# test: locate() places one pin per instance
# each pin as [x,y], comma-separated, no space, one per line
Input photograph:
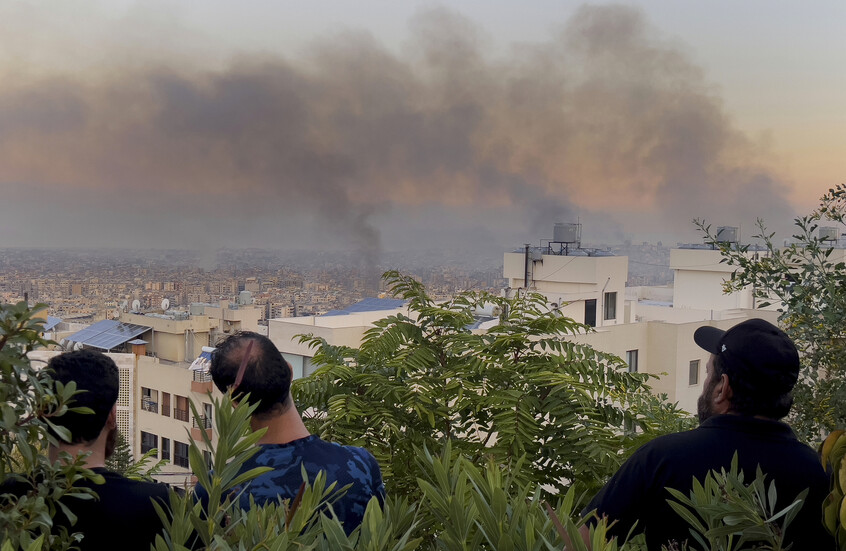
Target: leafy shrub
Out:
[519,389]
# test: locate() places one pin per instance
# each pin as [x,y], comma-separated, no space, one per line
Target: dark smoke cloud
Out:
[604,119]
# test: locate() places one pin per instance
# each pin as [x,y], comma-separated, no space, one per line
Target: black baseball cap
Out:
[756,347]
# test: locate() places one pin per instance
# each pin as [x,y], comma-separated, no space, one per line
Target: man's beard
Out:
[111,442]
[704,409]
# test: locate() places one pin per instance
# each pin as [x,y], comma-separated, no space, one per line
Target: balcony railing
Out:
[148,404]
[201,425]
[201,382]
[180,414]
[202,377]
[202,422]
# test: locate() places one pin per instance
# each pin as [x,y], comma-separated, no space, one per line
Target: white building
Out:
[337,327]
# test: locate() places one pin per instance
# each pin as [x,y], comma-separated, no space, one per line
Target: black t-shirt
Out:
[637,491]
[122,516]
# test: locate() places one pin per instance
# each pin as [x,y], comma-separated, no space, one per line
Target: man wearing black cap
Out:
[750,374]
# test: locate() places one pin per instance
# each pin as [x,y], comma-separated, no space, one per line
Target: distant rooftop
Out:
[108,334]
[560,249]
[368,305]
[51,323]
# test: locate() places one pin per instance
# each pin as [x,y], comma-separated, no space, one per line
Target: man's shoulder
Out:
[121,486]
[314,448]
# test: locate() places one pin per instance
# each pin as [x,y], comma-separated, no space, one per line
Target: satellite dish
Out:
[123,305]
[136,305]
[77,346]
[116,313]
[63,343]
[165,304]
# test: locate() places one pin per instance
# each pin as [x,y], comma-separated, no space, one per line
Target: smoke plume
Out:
[606,120]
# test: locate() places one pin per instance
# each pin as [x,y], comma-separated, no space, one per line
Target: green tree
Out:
[121,459]
[809,284]
[521,389]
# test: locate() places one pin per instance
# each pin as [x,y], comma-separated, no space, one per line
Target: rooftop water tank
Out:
[727,234]
[828,233]
[565,233]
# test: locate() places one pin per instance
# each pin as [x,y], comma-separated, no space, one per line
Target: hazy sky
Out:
[389,124]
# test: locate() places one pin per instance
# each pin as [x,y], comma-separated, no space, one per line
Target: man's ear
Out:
[723,392]
[111,420]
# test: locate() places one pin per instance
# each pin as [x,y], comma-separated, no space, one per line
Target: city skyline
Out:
[390,127]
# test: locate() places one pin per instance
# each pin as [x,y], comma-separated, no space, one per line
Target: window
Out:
[610,306]
[166,448]
[149,400]
[166,404]
[207,457]
[180,454]
[180,410]
[148,441]
[693,377]
[631,359]
[590,312]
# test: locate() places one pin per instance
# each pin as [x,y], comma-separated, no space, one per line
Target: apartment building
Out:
[161,361]
[339,327]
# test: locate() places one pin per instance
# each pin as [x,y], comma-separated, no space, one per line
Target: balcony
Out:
[201,424]
[180,414]
[201,382]
[148,404]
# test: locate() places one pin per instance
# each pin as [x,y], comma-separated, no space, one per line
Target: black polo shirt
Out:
[637,492]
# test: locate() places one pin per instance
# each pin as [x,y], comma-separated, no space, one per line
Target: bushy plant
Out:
[28,402]
[726,514]
[518,389]
[307,522]
[833,455]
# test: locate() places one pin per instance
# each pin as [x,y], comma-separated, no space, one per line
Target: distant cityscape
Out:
[89,285]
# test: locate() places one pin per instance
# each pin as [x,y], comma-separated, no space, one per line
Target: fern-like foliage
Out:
[519,389]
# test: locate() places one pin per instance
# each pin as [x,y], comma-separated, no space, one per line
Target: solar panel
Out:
[92,330]
[371,304]
[108,334]
[51,323]
[116,336]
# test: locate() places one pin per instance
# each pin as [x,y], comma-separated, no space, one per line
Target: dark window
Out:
[166,448]
[148,441]
[180,410]
[180,454]
[631,359]
[610,306]
[590,312]
[207,457]
[693,377]
[166,404]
